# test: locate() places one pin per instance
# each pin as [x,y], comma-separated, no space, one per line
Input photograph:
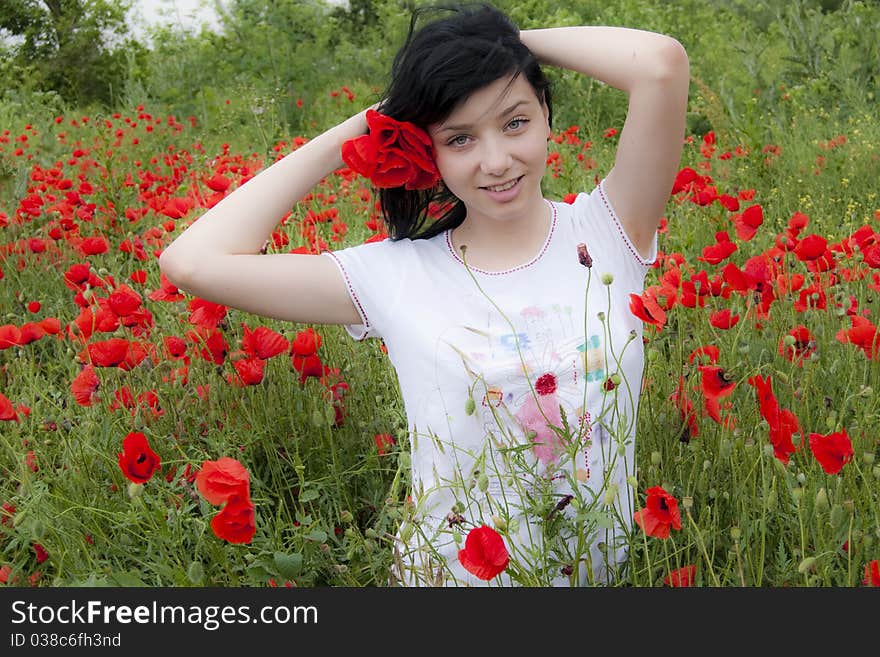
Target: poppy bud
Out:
[876,472]
[406,532]
[369,532]
[607,278]
[134,490]
[868,458]
[632,482]
[735,533]
[656,458]
[821,500]
[687,502]
[807,565]
[483,482]
[346,516]
[838,516]
[195,573]
[500,523]
[584,256]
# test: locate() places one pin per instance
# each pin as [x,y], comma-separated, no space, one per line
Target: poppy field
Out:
[150,438]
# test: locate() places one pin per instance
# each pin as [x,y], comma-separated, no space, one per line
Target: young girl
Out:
[505,315]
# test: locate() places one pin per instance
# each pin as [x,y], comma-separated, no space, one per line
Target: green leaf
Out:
[289,565]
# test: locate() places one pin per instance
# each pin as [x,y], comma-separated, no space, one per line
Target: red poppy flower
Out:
[235,522]
[136,460]
[124,301]
[250,370]
[167,291]
[263,342]
[681,578]
[7,411]
[714,381]
[872,573]
[306,343]
[383,441]
[722,319]
[94,245]
[392,153]
[710,351]
[863,334]
[660,513]
[85,386]
[833,451]
[219,480]
[107,353]
[484,555]
[646,308]
[720,251]
[307,366]
[810,247]
[748,222]
[686,409]
[205,313]
[10,336]
[803,347]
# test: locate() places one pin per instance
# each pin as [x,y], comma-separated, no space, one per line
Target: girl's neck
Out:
[494,245]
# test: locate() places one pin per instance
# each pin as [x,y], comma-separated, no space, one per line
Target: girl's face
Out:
[492,150]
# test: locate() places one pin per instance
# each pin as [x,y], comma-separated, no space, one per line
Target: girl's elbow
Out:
[175,268]
[672,59]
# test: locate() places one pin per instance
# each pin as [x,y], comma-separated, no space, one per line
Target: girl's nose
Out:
[496,159]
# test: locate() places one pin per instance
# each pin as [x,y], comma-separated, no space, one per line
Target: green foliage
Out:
[76,47]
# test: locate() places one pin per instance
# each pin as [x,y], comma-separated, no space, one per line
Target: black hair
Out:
[439,66]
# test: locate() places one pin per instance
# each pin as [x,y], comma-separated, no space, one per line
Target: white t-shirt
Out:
[454,335]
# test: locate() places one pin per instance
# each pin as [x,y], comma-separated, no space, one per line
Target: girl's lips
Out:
[505,195]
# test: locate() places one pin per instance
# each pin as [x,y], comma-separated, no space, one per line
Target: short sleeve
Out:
[605,234]
[371,274]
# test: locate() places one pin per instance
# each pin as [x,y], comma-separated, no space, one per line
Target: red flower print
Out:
[681,578]
[872,573]
[832,451]
[219,480]
[392,153]
[235,522]
[484,555]
[659,515]
[136,460]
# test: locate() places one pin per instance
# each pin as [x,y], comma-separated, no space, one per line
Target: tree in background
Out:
[77,48]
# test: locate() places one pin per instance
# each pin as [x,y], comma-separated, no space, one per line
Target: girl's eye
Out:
[518,123]
[458,140]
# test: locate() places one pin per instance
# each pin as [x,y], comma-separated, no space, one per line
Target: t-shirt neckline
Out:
[524,265]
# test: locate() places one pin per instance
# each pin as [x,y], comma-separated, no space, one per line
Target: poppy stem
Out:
[702,546]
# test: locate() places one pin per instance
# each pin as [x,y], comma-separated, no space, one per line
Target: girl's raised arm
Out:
[653,69]
[217,257]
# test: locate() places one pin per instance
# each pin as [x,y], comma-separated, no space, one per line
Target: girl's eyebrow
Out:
[467,126]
